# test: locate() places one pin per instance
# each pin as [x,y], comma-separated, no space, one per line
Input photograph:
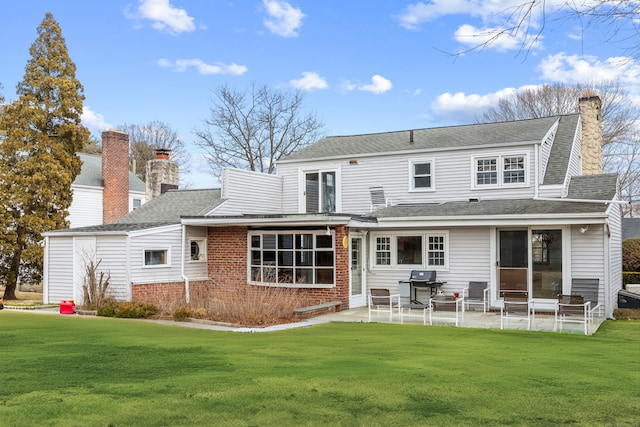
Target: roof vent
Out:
[474,199]
[411,137]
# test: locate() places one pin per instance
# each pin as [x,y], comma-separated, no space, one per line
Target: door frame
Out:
[358,300]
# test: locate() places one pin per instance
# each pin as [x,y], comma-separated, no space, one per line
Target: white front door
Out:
[356,271]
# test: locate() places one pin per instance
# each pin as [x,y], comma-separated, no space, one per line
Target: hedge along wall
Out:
[227,268]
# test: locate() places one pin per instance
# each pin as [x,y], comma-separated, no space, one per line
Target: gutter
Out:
[606,202]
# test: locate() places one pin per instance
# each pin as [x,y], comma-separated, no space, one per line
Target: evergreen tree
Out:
[41,134]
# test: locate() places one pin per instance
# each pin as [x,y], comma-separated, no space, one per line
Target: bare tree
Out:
[620,140]
[254,129]
[527,21]
[144,138]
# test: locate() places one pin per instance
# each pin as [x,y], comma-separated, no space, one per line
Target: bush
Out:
[631,255]
[183,313]
[128,310]
[626,313]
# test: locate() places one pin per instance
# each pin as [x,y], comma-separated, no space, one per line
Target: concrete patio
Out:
[543,322]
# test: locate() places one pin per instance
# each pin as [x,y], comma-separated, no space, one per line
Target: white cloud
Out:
[163,16]
[348,86]
[467,108]
[94,121]
[493,39]
[571,69]
[378,85]
[181,65]
[284,20]
[309,81]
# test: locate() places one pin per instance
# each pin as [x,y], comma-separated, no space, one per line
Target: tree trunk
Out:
[14,272]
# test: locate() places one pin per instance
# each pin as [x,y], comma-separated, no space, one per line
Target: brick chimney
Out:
[590,107]
[115,175]
[162,174]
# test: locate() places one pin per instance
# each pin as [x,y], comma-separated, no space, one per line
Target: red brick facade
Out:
[115,175]
[227,254]
[165,295]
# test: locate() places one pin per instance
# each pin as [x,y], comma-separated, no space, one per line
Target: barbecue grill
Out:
[423,279]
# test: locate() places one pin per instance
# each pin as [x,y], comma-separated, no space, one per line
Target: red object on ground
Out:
[67,307]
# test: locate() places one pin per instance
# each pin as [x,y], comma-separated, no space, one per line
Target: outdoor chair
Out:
[515,305]
[446,308]
[477,294]
[573,309]
[382,301]
[589,289]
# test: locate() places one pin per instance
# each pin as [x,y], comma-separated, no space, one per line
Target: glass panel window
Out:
[421,175]
[383,251]
[513,170]
[292,258]
[409,250]
[320,192]
[156,257]
[436,251]
[486,171]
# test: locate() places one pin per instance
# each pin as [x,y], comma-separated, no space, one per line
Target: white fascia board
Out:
[266,222]
[155,230]
[502,220]
[87,187]
[74,233]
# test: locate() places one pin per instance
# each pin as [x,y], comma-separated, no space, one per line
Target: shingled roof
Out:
[431,138]
[166,209]
[91,174]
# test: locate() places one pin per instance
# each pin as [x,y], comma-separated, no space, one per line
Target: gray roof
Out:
[630,228]
[487,208]
[598,187]
[172,205]
[166,209]
[430,139]
[561,150]
[587,187]
[91,174]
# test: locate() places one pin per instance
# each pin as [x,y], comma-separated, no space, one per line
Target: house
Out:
[521,205]
[105,189]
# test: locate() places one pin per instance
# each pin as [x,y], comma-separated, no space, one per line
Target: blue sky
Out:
[366,66]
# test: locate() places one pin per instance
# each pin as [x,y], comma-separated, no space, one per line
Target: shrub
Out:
[183,313]
[129,310]
[95,286]
[631,255]
[626,313]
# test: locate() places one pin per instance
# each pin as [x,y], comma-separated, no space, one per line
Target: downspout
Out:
[182,265]
[607,270]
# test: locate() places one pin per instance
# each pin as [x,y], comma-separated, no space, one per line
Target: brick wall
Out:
[115,175]
[227,254]
[169,295]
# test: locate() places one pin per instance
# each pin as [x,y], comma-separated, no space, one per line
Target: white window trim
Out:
[167,265]
[412,187]
[202,244]
[500,171]
[394,250]
[302,206]
[292,285]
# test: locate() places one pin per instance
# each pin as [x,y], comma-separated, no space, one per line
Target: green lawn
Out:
[82,371]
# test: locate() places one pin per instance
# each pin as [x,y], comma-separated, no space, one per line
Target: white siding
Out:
[247,192]
[86,207]
[453,175]
[469,260]
[59,274]
[162,238]
[588,257]
[113,251]
[195,269]
[614,281]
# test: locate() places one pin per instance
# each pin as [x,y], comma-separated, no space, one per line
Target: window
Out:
[156,257]
[137,203]
[428,249]
[320,191]
[197,248]
[292,258]
[383,251]
[512,170]
[421,175]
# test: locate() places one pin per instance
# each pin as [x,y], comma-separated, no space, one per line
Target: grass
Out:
[78,371]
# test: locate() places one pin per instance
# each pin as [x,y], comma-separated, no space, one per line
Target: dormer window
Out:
[499,171]
[421,175]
